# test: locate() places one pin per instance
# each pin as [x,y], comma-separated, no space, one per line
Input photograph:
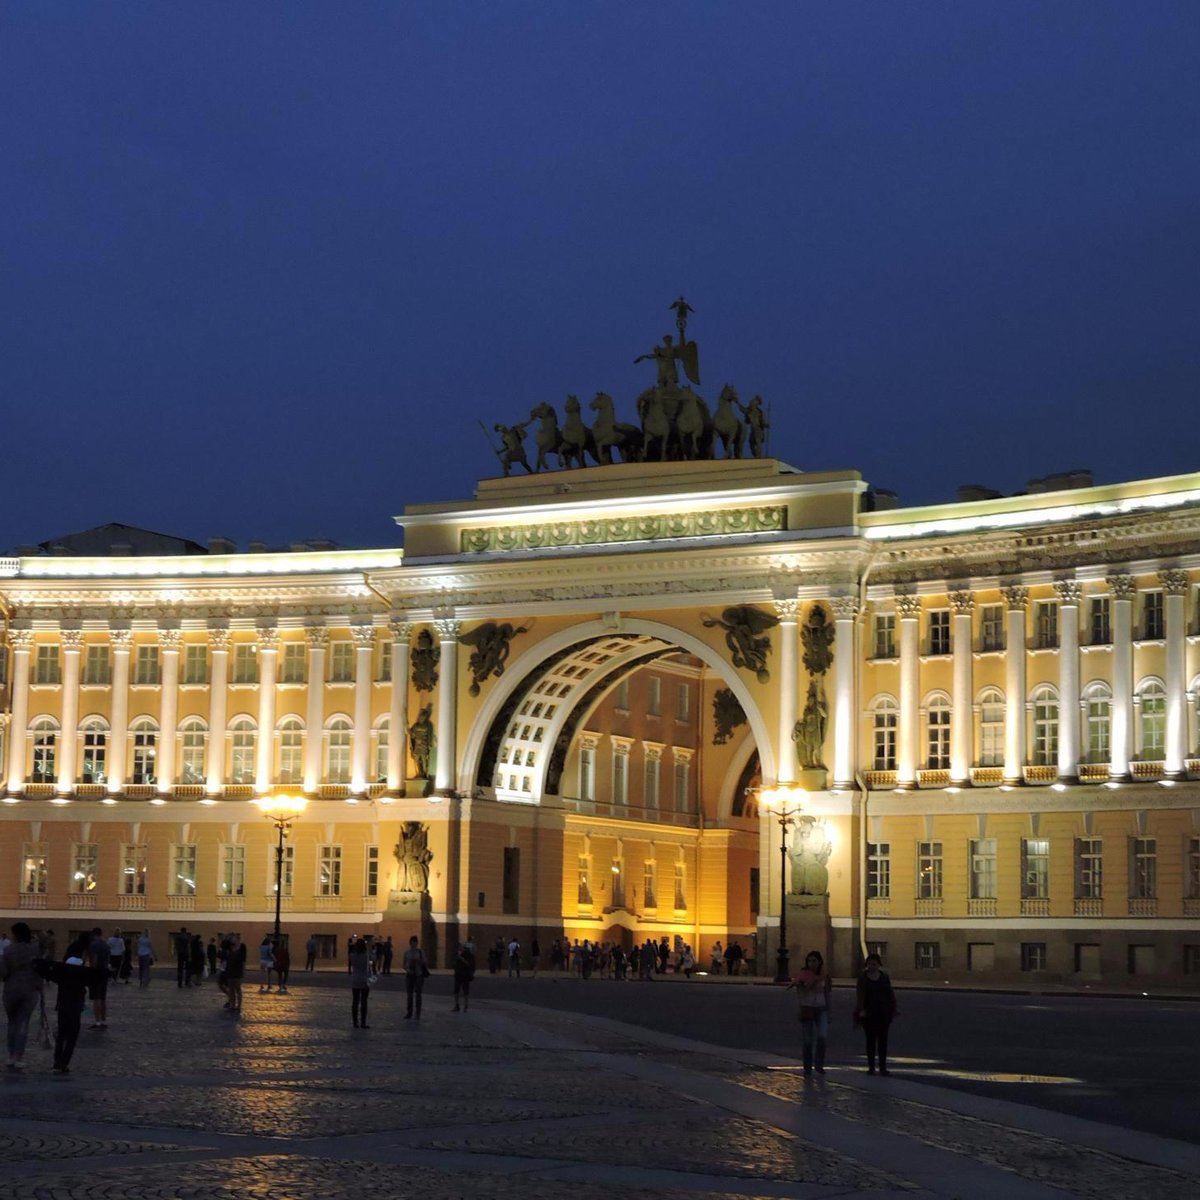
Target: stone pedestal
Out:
[808,928]
[814,779]
[410,913]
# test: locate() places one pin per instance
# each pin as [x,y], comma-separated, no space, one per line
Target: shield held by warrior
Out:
[689,355]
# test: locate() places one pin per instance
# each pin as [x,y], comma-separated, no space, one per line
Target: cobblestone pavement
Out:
[178,1100]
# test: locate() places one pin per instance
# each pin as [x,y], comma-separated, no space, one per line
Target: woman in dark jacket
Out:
[874,1010]
[360,982]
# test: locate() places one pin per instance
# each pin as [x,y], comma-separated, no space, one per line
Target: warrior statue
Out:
[421,741]
[811,849]
[809,734]
[414,856]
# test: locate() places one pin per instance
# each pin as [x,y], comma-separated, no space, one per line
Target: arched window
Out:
[991,728]
[937,733]
[93,761]
[193,741]
[1045,727]
[381,750]
[45,743]
[337,757]
[883,733]
[291,750]
[1097,711]
[1153,697]
[144,735]
[243,741]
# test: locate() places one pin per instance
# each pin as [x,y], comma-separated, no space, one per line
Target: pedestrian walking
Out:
[535,955]
[116,954]
[687,961]
[464,973]
[183,958]
[49,945]
[716,958]
[99,959]
[310,952]
[875,1009]
[416,971]
[73,980]
[22,990]
[266,963]
[196,959]
[360,982]
[283,964]
[235,972]
[814,987]
[514,958]
[145,957]
[210,954]
[388,953]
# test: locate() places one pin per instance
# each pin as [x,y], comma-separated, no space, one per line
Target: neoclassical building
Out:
[578,691]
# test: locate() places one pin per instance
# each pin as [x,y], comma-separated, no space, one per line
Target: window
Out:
[651,777]
[618,883]
[885,635]
[337,764]
[649,894]
[991,728]
[1152,616]
[1191,959]
[45,743]
[755,882]
[341,662]
[991,627]
[983,869]
[195,663]
[680,888]
[1191,867]
[620,788]
[183,870]
[95,666]
[144,734]
[1045,625]
[884,734]
[929,870]
[1045,727]
[937,733]
[245,662]
[291,750]
[243,741]
[622,701]
[512,879]
[1098,715]
[1089,869]
[385,661]
[879,948]
[292,668]
[928,956]
[1035,869]
[371,879]
[45,665]
[587,773]
[329,871]
[133,869]
[1033,956]
[382,738]
[85,858]
[682,781]
[683,702]
[193,739]
[93,764]
[233,870]
[1143,868]
[33,869]
[289,864]
[145,666]
[1153,720]
[939,631]
[1099,621]
[654,697]
[879,870]
[584,887]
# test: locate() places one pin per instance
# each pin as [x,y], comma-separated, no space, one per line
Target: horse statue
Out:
[693,425]
[577,438]
[609,434]
[547,437]
[727,425]
[656,426]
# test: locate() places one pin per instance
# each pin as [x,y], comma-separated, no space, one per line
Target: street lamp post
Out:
[776,804]
[282,810]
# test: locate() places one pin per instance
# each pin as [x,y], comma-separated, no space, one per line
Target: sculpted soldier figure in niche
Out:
[414,856]
[422,740]
[425,658]
[809,733]
[810,852]
[817,636]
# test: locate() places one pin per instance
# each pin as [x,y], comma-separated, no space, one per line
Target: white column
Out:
[318,639]
[1014,685]
[1069,595]
[118,738]
[168,711]
[360,745]
[218,697]
[268,657]
[845,655]
[787,611]
[21,641]
[397,764]
[445,730]
[68,738]
[1121,728]
[962,715]
[1175,585]
[909,609]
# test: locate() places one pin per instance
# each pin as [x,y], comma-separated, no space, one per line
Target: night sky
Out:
[264,265]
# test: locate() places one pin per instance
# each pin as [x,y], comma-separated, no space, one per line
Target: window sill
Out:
[94,685]
[193,686]
[144,687]
[991,652]
[1156,641]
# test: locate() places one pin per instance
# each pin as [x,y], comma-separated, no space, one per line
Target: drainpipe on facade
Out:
[859,778]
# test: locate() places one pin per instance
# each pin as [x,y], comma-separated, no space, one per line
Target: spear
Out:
[489,439]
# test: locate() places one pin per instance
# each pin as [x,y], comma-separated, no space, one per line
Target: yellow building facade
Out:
[579,689]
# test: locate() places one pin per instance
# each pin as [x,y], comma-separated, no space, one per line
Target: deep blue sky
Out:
[262,266]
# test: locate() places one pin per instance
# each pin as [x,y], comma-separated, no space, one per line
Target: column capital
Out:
[71,639]
[120,639]
[447,628]
[364,636]
[963,603]
[268,637]
[1174,581]
[401,629]
[1070,591]
[787,610]
[908,606]
[218,638]
[1121,586]
[845,608]
[318,636]
[20,639]
[1015,596]
[169,637]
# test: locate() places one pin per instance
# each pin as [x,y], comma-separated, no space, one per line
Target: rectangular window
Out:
[1089,869]
[1045,729]
[929,870]
[620,788]
[683,702]
[1152,616]
[991,731]
[183,871]
[233,871]
[45,665]
[1191,959]
[649,892]
[1099,621]
[95,666]
[329,871]
[682,780]
[133,869]
[754,890]
[33,869]
[1191,867]
[1035,869]
[294,660]
[145,752]
[587,774]
[1045,625]
[45,743]
[85,858]
[145,667]
[337,766]
[983,869]
[991,627]
[1033,956]
[195,663]
[291,752]
[1143,868]
[884,737]
[879,870]
[654,698]
[622,700]
[928,956]
[937,728]
[93,761]
[650,792]
[885,635]
[371,882]
[680,888]
[584,884]
[381,754]
[512,879]
[385,661]
[191,753]
[1099,728]
[939,631]
[879,948]
[341,662]
[245,663]
[617,871]
[289,868]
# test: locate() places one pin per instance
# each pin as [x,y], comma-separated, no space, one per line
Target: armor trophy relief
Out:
[674,422]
